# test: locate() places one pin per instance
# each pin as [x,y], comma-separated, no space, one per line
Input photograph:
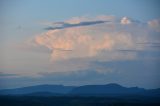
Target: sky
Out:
[79,42]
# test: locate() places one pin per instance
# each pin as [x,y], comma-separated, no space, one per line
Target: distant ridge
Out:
[111,89]
[108,89]
[38,88]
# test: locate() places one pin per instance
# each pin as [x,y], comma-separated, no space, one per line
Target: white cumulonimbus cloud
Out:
[125,20]
[99,37]
[155,24]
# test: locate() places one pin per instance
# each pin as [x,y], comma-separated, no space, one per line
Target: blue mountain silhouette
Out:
[38,88]
[111,89]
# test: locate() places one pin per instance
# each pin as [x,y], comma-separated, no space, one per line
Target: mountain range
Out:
[111,89]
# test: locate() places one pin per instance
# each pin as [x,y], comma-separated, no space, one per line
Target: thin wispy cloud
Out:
[153,45]
[63,25]
[128,50]
[7,75]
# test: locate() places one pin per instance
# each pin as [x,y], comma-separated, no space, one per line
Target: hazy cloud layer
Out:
[143,74]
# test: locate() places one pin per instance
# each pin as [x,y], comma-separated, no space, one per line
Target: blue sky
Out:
[28,14]
[112,51]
